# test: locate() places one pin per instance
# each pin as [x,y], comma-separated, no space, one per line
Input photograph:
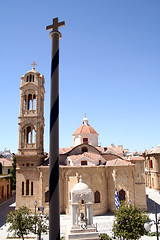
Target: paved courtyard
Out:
[103,223]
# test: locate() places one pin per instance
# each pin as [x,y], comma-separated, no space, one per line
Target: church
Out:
[101,168]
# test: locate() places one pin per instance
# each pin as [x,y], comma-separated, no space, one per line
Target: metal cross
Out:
[55,25]
[33,64]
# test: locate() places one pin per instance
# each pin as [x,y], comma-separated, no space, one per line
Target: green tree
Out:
[129,222]
[13,174]
[104,236]
[41,223]
[20,221]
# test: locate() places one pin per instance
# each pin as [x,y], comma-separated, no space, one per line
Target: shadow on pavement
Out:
[5,209]
[150,205]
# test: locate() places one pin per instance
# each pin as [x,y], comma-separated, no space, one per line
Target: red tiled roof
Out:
[85,129]
[136,158]
[92,156]
[6,162]
[118,162]
[65,150]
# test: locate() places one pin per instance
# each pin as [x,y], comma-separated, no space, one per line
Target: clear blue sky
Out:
[109,67]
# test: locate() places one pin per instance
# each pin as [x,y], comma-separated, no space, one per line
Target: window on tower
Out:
[27,187]
[31,188]
[34,102]
[29,140]
[22,188]
[29,101]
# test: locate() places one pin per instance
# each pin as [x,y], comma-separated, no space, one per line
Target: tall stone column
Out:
[54,212]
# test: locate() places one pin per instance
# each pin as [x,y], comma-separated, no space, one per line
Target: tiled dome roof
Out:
[85,129]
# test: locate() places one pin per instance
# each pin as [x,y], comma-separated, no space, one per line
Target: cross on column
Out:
[33,65]
[55,25]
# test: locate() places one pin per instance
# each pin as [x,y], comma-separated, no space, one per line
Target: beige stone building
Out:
[4,187]
[5,165]
[152,168]
[101,168]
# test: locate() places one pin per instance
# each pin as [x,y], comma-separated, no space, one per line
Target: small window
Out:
[85,140]
[9,170]
[122,195]
[31,188]
[27,79]
[100,162]
[27,187]
[32,164]
[47,196]
[150,164]
[82,201]
[84,149]
[23,164]
[83,162]
[27,165]
[97,197]
[22,188]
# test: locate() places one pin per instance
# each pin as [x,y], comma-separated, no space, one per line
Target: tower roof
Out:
[85,128]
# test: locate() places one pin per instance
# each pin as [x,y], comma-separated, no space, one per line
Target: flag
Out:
[117,201]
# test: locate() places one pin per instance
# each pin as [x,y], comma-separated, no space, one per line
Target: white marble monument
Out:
[82,214]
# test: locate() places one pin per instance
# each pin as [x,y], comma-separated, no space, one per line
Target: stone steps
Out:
[84,236]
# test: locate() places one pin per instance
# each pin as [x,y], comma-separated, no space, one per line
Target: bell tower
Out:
[31,117]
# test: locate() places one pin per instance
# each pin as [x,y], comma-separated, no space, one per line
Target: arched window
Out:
[27,187]
[122,195]
[33,78]
[31,188]
[27,79]
[34,102]
[30,77]
[84,149]
[22,188]
[47,196]
[97,197]
[25,103]
[150,164]
[29,139]
[0,168]
[29,102]
[29,135]
[33,136]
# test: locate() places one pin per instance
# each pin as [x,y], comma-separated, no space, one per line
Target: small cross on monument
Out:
[33,65]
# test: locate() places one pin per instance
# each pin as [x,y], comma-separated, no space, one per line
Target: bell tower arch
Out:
[31,117]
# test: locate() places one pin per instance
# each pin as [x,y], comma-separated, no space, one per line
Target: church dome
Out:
[85,128]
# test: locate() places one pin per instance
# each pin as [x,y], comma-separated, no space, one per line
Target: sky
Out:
[109,68]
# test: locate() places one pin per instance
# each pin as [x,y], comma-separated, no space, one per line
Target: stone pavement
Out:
[103,223]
